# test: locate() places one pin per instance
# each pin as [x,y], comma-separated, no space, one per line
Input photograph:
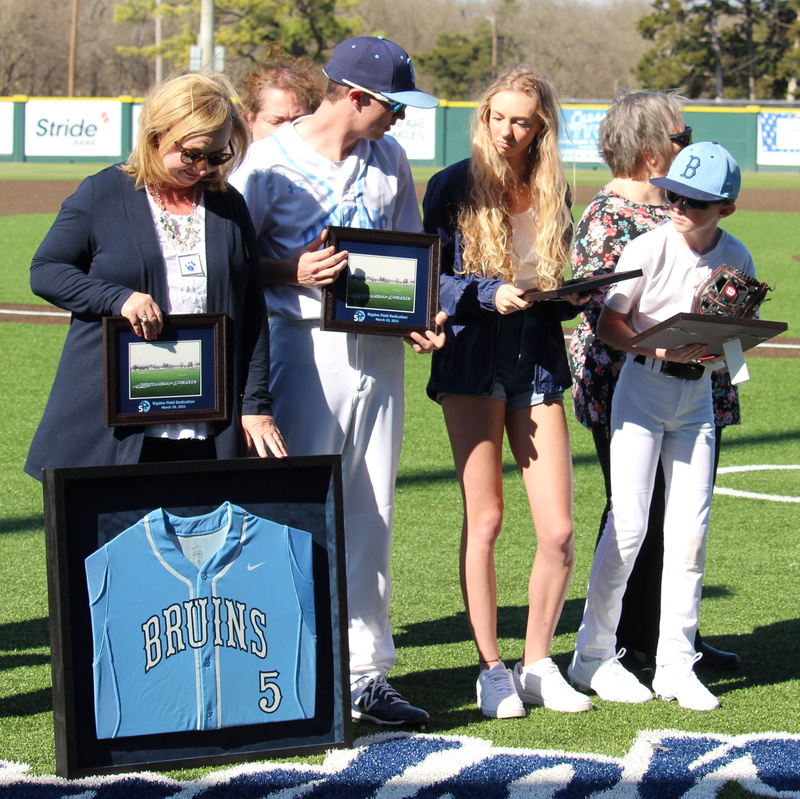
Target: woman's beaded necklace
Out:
[191,230]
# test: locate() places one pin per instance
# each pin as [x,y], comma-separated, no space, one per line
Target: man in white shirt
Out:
[343,392]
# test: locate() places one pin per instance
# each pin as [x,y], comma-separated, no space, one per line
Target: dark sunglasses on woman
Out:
[213,159]
[684,138]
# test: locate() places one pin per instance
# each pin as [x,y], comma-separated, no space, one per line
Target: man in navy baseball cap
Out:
[379,67]
[343,392]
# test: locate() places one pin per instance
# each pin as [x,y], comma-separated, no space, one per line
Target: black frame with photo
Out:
[86,507]
[683,329]
[581,285]
[350,305]
[201,398]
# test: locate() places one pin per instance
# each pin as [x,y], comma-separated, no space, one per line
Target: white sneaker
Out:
[497,697]
[678,681]
[542,684]
[608,678]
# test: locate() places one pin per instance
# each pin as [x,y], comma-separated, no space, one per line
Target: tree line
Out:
[721,49]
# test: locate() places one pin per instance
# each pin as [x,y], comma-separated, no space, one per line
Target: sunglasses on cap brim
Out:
[391,106]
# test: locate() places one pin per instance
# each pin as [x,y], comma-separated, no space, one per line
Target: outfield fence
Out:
[762,138]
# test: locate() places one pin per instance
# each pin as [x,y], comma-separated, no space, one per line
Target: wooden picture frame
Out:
[182,376]
[713,331]
[88,508]
[390,285]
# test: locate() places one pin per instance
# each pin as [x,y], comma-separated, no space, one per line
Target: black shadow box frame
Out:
[86,507]
[390,286]
[192,392]
[581,285]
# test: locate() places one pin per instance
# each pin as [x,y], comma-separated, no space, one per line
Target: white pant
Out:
[653,415]
[341,393]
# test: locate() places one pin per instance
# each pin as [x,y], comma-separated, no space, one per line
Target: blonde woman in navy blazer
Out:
[116,249]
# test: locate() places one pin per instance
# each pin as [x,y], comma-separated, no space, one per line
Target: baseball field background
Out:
[752,586]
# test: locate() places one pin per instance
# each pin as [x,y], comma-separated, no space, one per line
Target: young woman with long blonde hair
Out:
[504,217]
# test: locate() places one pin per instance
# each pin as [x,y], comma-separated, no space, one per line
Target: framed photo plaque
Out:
[713,331]
[179,377]
[390,285]
[197,613]
[581,285]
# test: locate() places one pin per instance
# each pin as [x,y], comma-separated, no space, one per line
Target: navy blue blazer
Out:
[102,247]
[466,363]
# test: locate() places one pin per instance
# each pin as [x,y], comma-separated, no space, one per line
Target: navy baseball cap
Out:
[703,171]
[379,66]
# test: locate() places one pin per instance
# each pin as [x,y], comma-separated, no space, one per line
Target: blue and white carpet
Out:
[663,764]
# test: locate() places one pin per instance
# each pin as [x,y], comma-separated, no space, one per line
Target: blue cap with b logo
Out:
[703,171]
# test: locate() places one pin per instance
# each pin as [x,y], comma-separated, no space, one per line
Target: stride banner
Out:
[67,128]
[70,128]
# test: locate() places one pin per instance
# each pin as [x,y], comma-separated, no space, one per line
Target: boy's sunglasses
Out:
[687,202]
[684,138]
[213,159]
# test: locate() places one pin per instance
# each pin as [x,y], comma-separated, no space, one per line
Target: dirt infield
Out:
[45,197]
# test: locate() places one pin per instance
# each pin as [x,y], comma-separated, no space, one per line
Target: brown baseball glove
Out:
[730,292]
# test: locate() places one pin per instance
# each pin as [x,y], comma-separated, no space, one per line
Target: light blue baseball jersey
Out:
[293,193]
[200,623]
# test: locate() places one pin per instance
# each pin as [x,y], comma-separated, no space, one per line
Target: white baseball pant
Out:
[654,416]
[342,393]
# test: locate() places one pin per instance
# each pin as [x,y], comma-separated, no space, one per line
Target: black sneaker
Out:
[379,703]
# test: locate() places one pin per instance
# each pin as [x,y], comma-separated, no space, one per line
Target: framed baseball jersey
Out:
[224,635]
[198,613]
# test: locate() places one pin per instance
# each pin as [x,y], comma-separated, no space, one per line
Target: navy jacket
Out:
[102,247]
[466,363]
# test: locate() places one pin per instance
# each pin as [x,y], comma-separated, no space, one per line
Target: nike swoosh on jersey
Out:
[250,566]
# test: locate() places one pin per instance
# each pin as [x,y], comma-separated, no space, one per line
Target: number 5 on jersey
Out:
[268,686]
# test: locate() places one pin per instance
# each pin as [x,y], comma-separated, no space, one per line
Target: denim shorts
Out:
[514,376]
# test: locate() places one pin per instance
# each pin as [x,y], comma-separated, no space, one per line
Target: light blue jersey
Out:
[201,623]
[293,193]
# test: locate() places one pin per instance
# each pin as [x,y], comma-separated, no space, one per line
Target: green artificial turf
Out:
[749,606]
[752,582]
[50,170]
[19,237]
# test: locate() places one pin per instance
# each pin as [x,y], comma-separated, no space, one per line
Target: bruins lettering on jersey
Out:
[201,623]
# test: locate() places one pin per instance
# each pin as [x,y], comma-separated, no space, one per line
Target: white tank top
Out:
[524,255]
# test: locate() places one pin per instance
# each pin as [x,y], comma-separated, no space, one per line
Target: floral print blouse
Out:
[609,222]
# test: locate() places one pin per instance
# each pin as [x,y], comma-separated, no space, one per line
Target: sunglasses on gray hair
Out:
[684,138]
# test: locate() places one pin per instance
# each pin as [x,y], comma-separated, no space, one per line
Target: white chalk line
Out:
[17,312]
[732,492]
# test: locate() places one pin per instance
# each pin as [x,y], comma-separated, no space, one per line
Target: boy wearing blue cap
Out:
[337,392]
[662,409]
